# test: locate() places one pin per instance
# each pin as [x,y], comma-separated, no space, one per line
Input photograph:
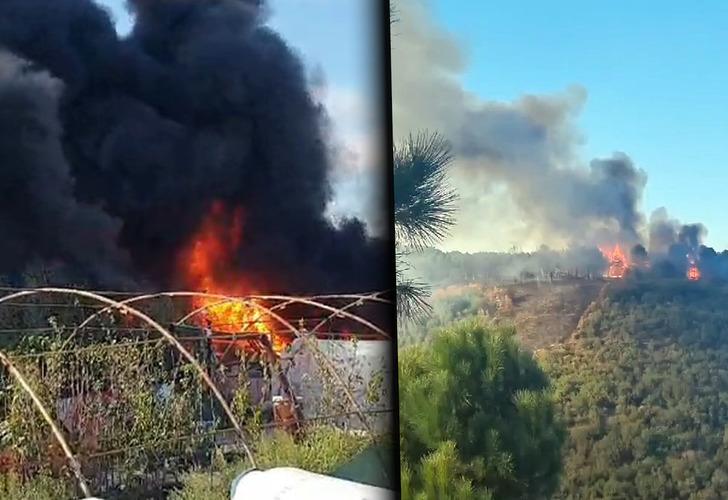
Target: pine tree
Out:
[476,414]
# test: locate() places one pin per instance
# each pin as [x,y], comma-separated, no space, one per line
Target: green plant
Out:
[42,487]
[476,410]
[322,450]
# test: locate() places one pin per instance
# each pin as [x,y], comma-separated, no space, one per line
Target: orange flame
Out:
[207,266]
[619,263]
[693,273]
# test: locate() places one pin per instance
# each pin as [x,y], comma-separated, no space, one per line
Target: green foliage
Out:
[442,478]
[423,209]
[123,406]
[446,309]
[41,488]
[476,413]
[423,202]
[323,449]
[644,391]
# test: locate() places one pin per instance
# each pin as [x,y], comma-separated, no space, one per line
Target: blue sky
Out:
[335,36]
[310,26]
[656,74]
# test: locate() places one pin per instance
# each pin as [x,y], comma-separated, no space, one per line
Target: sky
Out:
[334,38]
[655,74]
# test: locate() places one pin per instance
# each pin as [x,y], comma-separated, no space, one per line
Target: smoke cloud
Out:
[39,214]
[521,156]
[517,166]
[114,149]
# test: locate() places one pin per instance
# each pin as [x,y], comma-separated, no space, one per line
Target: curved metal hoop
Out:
[156,326]
[57,434]
[252,301]
[373,297]
[224,299]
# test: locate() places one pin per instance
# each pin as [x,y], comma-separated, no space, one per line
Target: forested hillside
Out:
[643,388]
[542,313]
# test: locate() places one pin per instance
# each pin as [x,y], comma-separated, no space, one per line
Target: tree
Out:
[423,209]
[476,409]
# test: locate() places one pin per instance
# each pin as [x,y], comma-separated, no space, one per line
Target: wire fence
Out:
[129,392]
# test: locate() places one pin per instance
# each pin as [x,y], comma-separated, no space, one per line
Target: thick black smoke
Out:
[40,217]
[113,150]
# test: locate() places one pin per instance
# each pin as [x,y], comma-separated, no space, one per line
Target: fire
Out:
[207,266]
[619,263]
[693,273]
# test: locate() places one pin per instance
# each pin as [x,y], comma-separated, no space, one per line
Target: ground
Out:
[547,313]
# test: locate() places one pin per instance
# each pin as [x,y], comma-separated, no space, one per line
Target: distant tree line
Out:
[445,268]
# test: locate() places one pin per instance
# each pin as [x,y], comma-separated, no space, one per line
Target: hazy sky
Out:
[335,38]
[655,75]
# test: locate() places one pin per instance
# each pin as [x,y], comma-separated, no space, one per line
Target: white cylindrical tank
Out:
[284,483]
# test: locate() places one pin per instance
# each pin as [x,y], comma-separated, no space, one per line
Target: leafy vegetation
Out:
[138,416]
[644,390]
[476,418]
[322,450]
[447,307]
[42,487]
[423,210]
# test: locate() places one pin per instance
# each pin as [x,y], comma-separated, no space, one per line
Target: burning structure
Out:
[188,155]
[190,378]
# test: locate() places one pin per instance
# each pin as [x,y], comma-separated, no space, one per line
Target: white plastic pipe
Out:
[284,483]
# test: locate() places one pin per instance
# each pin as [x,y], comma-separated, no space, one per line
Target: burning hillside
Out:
[619,265]
[122,153]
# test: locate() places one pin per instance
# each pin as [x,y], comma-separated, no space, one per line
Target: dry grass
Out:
[546,313]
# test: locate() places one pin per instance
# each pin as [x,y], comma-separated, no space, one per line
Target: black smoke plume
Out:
[113,149]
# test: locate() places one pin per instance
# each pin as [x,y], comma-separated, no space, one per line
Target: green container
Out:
[373,466]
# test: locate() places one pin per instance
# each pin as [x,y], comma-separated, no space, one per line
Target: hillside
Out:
[543,313]
[546,314]
[643,386]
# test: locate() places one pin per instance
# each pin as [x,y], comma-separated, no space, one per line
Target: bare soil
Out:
[547,313]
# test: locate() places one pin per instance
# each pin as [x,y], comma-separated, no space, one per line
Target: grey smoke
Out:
[524,154]
[665,232]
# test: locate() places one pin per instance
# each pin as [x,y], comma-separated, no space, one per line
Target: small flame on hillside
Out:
[693,273]
[207,264]
[618,262]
